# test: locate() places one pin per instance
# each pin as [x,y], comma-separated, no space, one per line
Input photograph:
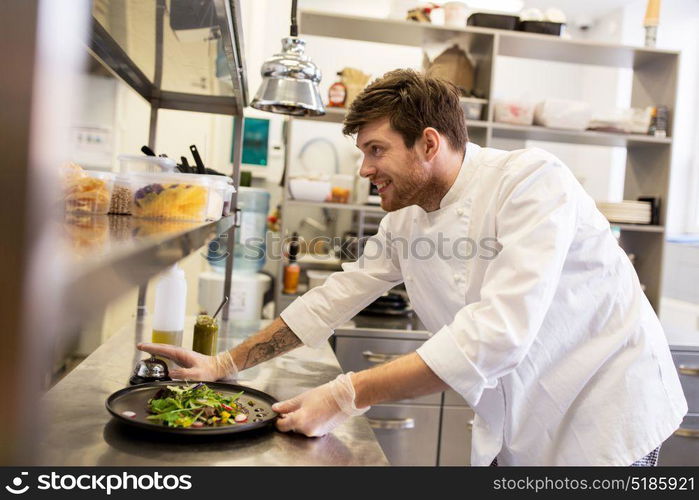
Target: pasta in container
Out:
[86,192]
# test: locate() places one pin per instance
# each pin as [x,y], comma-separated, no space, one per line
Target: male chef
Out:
[538,319]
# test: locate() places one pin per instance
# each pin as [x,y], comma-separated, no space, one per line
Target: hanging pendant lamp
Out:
[290,79]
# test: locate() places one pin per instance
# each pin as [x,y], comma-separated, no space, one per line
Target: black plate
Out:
[135,399]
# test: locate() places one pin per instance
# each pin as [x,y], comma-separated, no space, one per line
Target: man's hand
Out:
[318,411]
[194,366]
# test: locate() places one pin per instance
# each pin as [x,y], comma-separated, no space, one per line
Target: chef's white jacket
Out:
[539,319]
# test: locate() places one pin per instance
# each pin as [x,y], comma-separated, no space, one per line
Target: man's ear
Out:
[431,142]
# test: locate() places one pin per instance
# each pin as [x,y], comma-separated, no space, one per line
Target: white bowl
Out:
[309,190]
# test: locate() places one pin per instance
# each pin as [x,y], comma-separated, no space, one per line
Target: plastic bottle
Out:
[337,94]
[170,301]
[292,269]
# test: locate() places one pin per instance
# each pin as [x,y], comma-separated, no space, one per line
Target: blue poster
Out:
[255,141]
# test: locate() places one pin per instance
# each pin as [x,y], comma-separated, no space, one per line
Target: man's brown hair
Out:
[412,102]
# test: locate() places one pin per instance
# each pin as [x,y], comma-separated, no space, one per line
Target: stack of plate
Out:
[627,212]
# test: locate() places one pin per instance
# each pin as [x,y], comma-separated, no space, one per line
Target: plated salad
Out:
[196,406]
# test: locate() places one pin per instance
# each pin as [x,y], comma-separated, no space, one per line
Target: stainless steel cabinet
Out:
[409,430]
[687,364]
[408,434]
[455,436]
[355,354]
[682,448]
[452,398]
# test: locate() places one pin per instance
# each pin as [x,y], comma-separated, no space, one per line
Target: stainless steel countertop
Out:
[81,432]
[398,327]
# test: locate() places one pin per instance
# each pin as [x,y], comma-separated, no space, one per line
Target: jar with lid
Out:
[122,196]
[205,339]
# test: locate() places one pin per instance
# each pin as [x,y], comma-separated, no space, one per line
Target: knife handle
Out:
[197,159]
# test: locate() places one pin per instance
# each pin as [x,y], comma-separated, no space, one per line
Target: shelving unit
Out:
[654,82]
[60,269]
[335,206]
[156,75]
[108,255]
[532,132]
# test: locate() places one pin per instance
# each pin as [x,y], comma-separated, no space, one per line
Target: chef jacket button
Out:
[457,277]
[459,211]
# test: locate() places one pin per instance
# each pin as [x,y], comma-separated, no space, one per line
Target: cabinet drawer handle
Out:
[390,423]
[375,357]
[690,433]
[689,370]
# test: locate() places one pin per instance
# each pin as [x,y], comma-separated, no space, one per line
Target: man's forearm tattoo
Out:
[280,342]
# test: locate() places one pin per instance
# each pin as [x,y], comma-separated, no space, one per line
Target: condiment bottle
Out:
[169,310]
[292,269]
[337,94]
[651,21]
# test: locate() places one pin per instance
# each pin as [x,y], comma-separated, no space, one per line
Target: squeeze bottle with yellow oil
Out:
[169,310]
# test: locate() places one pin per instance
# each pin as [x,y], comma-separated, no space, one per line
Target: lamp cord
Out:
[294,27]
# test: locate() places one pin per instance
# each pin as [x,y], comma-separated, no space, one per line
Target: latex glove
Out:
[318,411]
[193,365]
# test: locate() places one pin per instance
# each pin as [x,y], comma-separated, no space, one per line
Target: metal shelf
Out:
[538,133]
[136,41]
[108,255]
[337,115]
[511,43]
[337,206]
[639,228]
[533,132]
[332,115]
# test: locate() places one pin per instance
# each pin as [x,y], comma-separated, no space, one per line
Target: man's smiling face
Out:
[397,172]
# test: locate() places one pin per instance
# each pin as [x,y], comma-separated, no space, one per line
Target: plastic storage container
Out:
[563,113]
[341,190]
[227,199]
[247,294]
[473,107]
[515,112]
[497,21]
[542,27]
[218,194]
[90,193]
[250,238]
[182,197]
[309,189]
[138,164]
[455,14]
[122,196]
[250,252]
[217,191]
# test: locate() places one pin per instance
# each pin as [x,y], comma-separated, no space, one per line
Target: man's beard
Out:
[416,187]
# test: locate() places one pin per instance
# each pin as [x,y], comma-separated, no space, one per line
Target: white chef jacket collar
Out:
[466,172]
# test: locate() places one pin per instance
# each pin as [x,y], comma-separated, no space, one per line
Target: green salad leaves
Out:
[195,406]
